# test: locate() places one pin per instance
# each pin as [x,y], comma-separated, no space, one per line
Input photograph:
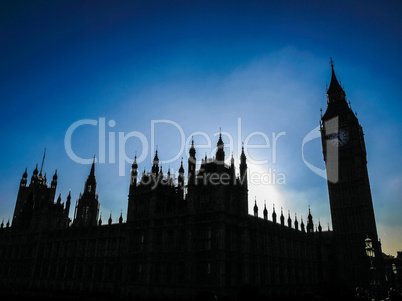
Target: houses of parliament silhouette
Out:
[180,239]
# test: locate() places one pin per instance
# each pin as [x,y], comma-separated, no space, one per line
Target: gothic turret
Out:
[53,184]
[68,203]
[255,208]
[24,178]
[303,229]
[243,168]
[220,152]
[274,214]
[191,165]
[87,209]
[37,207]
[282,218]
[90,184]
[181,175]
[232,169]
[310,224]
[35,174]
[265,212]
[134,175]
[155,164]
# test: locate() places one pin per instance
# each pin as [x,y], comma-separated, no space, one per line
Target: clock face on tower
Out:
[340,138]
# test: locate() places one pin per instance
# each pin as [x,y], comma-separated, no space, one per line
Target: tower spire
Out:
[334,84]
[87,208]
[43,161]
[135,165]
[92,173]
[335,92]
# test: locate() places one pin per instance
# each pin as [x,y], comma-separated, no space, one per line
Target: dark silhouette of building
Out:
[350,199]
[35,209]
[192,239]
[393,271]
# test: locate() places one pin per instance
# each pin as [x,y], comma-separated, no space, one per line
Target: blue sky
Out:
[203,65]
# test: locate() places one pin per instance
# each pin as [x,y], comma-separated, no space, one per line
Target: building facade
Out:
[182,238]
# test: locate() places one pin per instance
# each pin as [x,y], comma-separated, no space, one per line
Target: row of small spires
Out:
[110,219]
[38,175]
[206,160]
[7,225]
[282,218]
[192,151]
[99,222]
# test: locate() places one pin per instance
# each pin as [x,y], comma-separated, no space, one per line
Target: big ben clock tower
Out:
[350,199]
